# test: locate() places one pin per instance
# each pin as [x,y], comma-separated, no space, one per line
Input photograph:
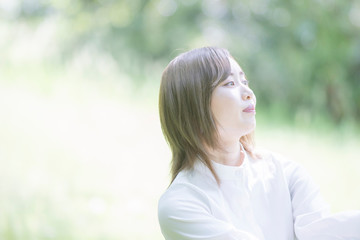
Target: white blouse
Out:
[270,199]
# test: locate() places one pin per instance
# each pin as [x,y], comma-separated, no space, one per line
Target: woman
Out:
[221,188]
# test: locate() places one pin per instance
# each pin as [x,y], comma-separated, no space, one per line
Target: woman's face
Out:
[233,105]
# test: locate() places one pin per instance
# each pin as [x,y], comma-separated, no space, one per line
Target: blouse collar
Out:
[225,172]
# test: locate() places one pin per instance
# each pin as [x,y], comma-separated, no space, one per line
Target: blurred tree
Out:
[304,56]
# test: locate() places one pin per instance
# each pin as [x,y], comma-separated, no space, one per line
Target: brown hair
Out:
[184,106]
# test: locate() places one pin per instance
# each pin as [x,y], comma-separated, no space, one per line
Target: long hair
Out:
[184,105]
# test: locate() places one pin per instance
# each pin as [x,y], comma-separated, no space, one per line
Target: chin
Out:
[249,128]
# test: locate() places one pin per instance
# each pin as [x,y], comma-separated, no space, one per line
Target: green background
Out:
[81,150]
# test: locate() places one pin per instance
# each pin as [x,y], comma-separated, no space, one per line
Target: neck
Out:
[230,154]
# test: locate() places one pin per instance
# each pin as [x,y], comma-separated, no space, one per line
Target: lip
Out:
[250,108]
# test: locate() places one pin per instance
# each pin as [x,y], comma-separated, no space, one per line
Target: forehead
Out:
[235,67]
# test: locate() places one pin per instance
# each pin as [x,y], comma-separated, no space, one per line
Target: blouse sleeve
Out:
[184,214]
[312,219]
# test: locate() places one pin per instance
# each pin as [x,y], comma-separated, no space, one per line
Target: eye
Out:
[230,83]
[245,82]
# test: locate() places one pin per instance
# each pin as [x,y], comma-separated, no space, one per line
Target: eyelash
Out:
[232,83]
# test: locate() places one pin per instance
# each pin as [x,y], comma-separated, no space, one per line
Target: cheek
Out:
[225,109]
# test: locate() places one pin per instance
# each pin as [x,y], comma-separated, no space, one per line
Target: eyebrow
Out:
[241,73]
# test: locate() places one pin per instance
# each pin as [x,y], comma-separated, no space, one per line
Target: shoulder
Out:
[289,168]
[278,159]
[181,190]
[295,174]
[182,194]
[181,203]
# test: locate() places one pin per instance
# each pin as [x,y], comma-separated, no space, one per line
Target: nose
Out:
[247,95]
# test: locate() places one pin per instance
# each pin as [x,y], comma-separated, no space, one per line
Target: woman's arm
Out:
[312,219]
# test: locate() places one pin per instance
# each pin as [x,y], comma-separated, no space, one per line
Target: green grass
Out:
[84,159]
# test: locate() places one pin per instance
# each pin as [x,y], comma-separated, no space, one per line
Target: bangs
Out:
[212,63]
[220,63]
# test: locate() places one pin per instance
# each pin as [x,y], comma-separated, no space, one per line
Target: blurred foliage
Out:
[74,162]
[302,56]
